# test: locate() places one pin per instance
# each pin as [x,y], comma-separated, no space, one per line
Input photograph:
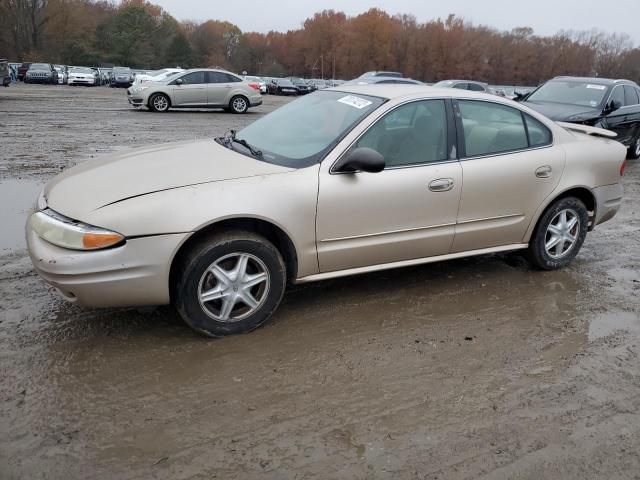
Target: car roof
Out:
[596,80]
[392,91]
[466,81]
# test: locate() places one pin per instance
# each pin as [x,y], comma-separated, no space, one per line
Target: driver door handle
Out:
[544,171]
[441,185]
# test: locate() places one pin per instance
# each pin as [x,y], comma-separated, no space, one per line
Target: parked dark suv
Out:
[121,77]
[599,102]
[41,73]
[300,85]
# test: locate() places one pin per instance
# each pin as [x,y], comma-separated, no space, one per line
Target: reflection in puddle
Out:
[608,323]
[17,197]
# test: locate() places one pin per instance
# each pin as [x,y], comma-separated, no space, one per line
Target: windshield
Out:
[297,81]
[569,92]
[301,132]
[121,70]
[81,70]
[39,66]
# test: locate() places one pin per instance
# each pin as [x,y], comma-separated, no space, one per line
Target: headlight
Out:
[66,233]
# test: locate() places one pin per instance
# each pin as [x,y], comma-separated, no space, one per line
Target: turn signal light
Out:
[94,241]
[622,167]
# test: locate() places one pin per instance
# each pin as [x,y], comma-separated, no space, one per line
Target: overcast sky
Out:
[544,16]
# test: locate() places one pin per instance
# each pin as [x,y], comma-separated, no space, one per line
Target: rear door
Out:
[509,166]
[191,92]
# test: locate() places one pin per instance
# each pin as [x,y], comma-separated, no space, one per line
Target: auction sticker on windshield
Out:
[596,87]
[354,101]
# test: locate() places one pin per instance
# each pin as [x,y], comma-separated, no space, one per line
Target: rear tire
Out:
[159,103]
[229,283]
[559,234]
[239,104]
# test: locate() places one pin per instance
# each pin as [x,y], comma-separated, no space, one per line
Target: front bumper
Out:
[121,83]
[39,79]
[81,81]
[608,201]
[134,274]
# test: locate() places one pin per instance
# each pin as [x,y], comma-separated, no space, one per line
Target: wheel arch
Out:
[272,232]
[580,192]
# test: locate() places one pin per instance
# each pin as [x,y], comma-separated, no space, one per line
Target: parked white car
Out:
[258,80]
[81,76]
[156,75]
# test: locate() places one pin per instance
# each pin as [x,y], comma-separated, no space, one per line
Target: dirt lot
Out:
[478,368]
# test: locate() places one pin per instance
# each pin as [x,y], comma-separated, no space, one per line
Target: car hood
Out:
[97,183]
[560,112]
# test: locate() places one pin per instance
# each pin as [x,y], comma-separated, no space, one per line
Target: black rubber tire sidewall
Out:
[201,256]
[537,252]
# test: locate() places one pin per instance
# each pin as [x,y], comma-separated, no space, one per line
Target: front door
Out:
[625,120]
[408,210]
[509,165]
[191,91]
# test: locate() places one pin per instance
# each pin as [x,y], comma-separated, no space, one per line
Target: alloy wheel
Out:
[239,104]
[233,287]
[160,103]
[562,233]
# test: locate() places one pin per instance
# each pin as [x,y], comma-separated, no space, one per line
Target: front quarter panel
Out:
[287,200]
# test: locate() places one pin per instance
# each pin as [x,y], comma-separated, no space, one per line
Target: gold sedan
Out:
[339,182]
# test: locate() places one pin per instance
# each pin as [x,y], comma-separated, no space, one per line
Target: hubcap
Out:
[562,233]
[239,104]
[233,287]
[160,103]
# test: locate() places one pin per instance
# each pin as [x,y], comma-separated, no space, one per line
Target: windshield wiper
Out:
[230,137]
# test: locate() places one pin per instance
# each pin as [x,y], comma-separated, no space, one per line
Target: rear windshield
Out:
[121,70]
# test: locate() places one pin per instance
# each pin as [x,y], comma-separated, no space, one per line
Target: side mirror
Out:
[361,160]
[612,106]
[179,81]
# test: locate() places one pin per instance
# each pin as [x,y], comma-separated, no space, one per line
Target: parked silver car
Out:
[343,181]
[197,88]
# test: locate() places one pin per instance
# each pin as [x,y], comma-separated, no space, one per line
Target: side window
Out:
[461,86]
[476,87]
[217,77]
[617,95]
[231,78]
[539,135]
[491,128]
[411,134]
[193,78]
[630,95]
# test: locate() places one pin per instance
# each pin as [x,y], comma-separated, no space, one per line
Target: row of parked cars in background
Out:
[595,102]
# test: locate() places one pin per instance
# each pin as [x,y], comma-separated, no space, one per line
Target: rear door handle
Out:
[441,185]
[544,171]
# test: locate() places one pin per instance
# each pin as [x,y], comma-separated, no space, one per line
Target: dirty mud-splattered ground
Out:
[478,368]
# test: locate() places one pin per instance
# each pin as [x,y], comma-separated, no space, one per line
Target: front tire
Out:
[559,235]
[159,103]
[239,104]
[229,283]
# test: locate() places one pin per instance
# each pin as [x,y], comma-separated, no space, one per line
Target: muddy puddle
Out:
[17,198]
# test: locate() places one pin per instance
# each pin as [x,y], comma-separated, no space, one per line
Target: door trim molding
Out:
[391,232]
[407,263]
